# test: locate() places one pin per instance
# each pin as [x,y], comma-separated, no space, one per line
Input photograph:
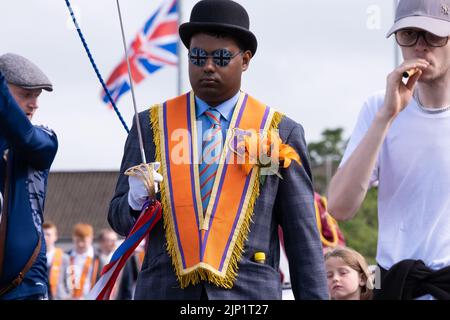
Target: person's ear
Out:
[362,282]
[246,57]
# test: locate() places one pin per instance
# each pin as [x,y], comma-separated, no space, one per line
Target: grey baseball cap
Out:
[429,15]
[22,72]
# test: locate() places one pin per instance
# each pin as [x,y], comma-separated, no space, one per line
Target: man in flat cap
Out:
[221,209]
[401,143]
[26,153]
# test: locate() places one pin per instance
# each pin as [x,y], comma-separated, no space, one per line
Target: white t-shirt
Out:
[413,175]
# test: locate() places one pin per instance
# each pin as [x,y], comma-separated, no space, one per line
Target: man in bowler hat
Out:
[218,238]
[26,153]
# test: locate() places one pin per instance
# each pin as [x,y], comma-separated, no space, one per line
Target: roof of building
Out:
[74,197]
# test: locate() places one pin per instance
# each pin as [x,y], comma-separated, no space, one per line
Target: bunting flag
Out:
[154,47]
[148,218]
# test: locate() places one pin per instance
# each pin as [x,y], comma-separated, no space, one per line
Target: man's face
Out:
[212,83]
[82,244]
[50,237]
[26,99]
[438,57]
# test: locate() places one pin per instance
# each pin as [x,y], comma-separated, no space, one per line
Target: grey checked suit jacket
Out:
[287,202]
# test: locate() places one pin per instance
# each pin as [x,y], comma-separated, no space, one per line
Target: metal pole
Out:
[328,170]
[396,48]
[138,124]
[179,48]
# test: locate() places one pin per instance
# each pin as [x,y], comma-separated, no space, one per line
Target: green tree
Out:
[325,156]
[332,145]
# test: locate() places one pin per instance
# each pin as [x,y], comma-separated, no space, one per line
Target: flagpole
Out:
[179,47]
[396,48]
[138,124]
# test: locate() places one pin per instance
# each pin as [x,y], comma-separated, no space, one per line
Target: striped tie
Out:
[212,147]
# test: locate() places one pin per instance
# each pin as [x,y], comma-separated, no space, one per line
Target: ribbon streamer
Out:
[149,217]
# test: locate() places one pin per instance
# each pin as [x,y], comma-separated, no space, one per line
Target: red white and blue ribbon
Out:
[150,215]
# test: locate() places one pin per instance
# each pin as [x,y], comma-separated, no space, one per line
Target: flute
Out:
[410,72]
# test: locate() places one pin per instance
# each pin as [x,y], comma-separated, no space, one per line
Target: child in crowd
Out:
[57,263]
[348,275]
[84,268]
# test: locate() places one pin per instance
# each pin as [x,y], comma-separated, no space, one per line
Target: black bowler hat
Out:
[220,16]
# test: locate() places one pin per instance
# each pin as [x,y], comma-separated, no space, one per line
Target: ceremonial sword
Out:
[136,114]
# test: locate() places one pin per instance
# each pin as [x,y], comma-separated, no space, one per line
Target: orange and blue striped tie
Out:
[212,147]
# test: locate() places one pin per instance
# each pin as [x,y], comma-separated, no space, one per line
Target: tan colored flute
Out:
[410,72]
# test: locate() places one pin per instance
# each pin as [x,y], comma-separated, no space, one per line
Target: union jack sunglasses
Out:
[221,57]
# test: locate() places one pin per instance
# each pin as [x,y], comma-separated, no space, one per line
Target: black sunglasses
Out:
[221,57]
[409,38]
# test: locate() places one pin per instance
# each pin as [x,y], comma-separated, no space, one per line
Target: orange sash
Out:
[77,288]
[205,247]
[140,259]
[55,270]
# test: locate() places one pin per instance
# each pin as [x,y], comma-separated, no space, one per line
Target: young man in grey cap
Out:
[26,153]
[401,142]
[219,238]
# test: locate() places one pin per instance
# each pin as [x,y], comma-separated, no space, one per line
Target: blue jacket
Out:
[31,150]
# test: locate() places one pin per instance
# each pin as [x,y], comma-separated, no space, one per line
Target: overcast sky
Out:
[317,61]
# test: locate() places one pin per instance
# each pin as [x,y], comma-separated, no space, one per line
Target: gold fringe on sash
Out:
[202,272]
[170,243]
[171,247]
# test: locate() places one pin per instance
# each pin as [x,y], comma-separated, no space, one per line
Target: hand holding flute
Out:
[398,93]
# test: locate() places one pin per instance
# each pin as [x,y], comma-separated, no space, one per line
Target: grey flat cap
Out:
[23,73]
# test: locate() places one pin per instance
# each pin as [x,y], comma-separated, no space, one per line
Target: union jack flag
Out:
[154,47]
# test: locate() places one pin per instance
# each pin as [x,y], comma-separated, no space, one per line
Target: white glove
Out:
[138,193]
